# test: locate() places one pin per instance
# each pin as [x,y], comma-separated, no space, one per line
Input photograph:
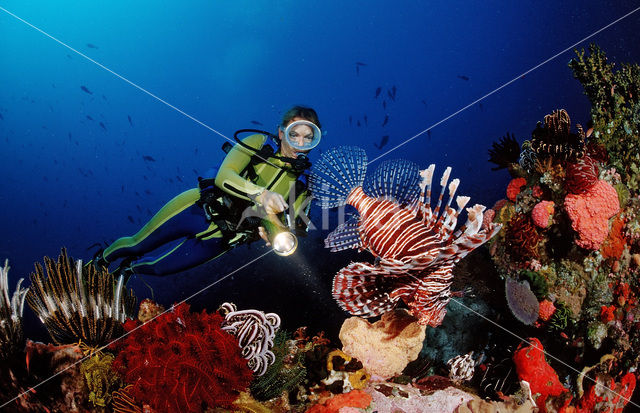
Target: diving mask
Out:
[302,135]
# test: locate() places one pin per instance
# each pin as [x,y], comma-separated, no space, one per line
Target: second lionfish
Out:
[415,246]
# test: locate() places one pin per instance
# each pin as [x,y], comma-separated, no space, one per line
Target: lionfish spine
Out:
[443,185]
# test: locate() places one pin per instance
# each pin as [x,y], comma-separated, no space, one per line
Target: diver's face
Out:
[299,134]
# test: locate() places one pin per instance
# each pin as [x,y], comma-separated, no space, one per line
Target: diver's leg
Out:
[181,255]
[177,219]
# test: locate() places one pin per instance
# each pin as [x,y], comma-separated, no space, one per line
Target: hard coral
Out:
[542,213]
[182,361]
[590,213]
[533,368]
[514,187]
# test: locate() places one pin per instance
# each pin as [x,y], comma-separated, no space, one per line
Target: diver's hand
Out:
[272,202]
[263,234]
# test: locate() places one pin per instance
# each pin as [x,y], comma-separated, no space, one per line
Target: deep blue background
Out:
[66,181]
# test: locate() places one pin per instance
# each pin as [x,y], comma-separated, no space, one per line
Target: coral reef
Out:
[542,213]
[11,335]
[77,303]
[386,346]
[182,361]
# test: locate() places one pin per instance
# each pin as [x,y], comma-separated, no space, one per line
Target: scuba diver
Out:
[244,201]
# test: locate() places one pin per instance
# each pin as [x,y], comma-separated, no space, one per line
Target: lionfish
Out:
[415,246]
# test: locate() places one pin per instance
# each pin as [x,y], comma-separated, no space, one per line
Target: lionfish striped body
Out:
[415,247]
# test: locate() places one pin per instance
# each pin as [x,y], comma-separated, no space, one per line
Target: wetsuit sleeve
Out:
[229,177]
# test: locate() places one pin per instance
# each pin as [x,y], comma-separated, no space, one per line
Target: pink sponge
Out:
[542,212]
[590,213]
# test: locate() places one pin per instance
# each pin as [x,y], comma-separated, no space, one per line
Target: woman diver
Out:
[229,209]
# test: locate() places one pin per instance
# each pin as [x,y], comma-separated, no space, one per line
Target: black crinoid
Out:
[504,152]
[553,138]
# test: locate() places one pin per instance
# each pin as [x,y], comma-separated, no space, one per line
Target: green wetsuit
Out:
[179,236]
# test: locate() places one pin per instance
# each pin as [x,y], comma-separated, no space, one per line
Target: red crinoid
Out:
[522,238]
[581,175]
[182,362]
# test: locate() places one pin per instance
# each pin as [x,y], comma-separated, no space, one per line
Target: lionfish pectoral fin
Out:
[345,236]
[364,290]
[395,180]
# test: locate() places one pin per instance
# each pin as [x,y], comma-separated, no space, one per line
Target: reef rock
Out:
[386,346]
[393,397]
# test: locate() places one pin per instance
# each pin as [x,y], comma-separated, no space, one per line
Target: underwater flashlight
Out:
[284,242]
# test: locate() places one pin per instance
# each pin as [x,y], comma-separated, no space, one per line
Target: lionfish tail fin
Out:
[336,174]
[396,180]
[364,290]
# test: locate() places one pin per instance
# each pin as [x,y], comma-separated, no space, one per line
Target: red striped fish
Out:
[416,247]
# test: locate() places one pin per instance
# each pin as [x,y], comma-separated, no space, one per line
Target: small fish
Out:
[195,151]
[89,117]
[378,90]
[424,102]
[416,246]
[104,97]
[358,64]
[384,104]
[393,91]
[255,122]
[386,120]
[84,89]
[195,172]
[366,123]
[383,142]
[145,177]
[139,208]
[130,121]
[1,117]
[480,107]
[146,191]
[390,95]
[179,179]
[91,46]
[102,126]
[350,120]
[429,133]
[148,158]
[130,218]
[463,77]
[122,188]
[358,123]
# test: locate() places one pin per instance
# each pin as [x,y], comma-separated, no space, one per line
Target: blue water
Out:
[67,181]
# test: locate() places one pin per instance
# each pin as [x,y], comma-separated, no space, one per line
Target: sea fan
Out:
[182,362]
[504,152]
